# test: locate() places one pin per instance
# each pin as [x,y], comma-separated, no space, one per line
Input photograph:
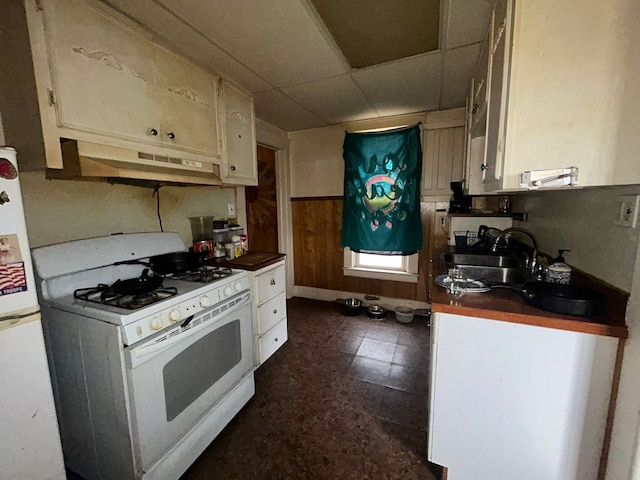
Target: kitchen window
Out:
[381,222]
[399,268]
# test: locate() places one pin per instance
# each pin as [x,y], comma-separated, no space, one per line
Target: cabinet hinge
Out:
[52,98]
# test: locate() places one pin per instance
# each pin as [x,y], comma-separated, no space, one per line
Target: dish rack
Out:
[465,238]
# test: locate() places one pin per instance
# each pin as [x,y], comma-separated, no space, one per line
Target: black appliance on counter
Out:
[459,203]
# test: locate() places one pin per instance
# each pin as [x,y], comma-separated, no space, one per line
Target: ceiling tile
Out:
[405,86]
[335,100]
[189,43]
[370,33]
[278,39]
[468,22]
[277,109]
[459,64]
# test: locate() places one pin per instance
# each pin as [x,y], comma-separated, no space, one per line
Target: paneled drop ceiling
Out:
[282,52]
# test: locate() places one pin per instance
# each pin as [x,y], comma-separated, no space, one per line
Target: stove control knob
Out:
[155,323]
[205,302]
[227,291]
[238,287]
[174,315]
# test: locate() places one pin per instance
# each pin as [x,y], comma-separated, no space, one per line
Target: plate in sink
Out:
[473,286]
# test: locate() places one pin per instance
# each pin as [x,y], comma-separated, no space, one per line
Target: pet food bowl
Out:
[352,306]
[404,314]
[377,312]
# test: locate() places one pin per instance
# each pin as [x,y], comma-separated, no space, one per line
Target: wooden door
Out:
[262,212]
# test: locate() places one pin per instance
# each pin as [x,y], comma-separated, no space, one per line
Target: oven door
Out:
[175,382]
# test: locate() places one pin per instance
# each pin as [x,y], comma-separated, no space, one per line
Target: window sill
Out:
[380,274]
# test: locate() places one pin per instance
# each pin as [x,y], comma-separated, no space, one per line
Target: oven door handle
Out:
[147,350]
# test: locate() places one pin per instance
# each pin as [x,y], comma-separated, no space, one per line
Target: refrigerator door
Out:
[17,285]
[29,442]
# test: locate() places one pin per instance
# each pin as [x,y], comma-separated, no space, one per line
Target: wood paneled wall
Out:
[318,256]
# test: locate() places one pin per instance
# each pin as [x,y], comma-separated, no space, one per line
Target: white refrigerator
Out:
[29,438]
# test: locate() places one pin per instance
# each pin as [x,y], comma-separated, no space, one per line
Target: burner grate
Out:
[206,274]
[103,294]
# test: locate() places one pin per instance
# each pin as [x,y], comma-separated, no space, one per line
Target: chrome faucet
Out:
[532,263]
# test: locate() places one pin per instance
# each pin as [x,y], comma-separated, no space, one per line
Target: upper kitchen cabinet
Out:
[240,164]
[443,152]
[102,79]
[561,94]
[188,100]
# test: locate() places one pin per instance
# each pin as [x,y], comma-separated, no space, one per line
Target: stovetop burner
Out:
[105,295]
[206,274]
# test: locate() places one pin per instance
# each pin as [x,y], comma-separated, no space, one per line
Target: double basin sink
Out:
[489,268]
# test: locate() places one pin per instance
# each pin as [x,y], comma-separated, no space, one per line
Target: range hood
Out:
[92,160]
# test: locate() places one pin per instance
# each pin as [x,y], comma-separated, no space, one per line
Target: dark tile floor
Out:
[344,398]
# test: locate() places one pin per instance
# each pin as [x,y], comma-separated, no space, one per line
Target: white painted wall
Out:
[582,220]
[63,210]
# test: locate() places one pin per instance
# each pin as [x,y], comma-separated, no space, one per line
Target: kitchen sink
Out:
[482,260]
[489,268]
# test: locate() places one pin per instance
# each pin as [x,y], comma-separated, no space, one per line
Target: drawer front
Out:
[271,312]
[273,340]
[270,283]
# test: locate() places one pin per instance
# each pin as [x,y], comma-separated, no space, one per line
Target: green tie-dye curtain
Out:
[382,172]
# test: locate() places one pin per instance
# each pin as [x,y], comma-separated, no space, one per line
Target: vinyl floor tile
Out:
[377,350]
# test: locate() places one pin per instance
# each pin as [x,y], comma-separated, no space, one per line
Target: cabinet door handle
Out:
[483,167]
[475,108]
[153,132]
[233,168]
[272,282]
[275,311]
[171,135]
[276,339]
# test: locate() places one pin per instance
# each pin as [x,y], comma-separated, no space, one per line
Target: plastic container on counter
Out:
[236,229]
[237,242]
[221,235]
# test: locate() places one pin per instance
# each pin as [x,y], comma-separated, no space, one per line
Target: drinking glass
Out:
[457,286]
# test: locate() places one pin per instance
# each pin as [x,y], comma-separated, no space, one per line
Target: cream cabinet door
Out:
[443,160]
[240,166]
[103,73]
[188,101]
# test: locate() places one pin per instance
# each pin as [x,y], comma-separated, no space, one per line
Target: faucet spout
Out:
[534,254]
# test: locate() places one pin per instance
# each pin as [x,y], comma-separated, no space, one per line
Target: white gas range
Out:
[145,379]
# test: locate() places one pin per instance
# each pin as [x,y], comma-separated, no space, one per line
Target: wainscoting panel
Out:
[317,233]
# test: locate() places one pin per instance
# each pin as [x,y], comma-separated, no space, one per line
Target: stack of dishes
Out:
[472,286]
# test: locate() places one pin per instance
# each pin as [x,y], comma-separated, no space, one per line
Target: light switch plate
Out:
[232,209]
[627,212]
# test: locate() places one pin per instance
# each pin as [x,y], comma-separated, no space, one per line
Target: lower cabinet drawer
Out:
[269,283]
[271,312]
[272,340]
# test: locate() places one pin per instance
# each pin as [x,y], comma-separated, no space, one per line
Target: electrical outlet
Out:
[627,211]
[232,209]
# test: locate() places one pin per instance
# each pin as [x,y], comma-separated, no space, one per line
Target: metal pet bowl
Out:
[352,306]
[377,312]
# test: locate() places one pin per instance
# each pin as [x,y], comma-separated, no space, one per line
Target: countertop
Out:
[509,306]
[251,261]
